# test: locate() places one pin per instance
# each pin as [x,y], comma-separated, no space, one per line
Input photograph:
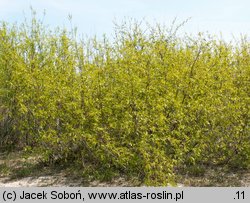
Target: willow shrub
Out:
[143,104]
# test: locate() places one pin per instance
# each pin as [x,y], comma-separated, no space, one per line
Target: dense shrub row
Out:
[144,103]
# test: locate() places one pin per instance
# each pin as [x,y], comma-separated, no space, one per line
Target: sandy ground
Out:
[55,181]
[34,182]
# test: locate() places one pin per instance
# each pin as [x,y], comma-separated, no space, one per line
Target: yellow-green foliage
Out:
[143,104]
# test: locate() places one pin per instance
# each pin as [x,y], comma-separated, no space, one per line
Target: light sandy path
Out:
[43,181]
[57,181]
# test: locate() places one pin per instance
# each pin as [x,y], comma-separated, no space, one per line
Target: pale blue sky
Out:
[230,17]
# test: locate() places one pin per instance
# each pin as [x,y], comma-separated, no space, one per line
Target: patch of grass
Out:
[195,170]
[212,176]
[25,170]
[4,169]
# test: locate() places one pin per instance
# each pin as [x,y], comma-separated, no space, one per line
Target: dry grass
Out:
[216,177]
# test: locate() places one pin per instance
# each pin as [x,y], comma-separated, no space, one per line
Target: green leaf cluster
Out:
[144,104]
